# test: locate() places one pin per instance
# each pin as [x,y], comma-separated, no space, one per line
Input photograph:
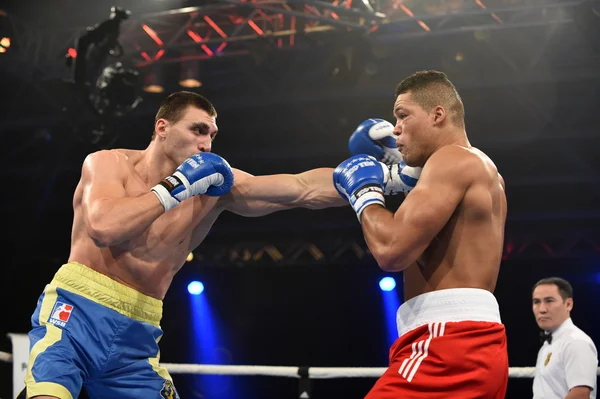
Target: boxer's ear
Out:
[438,114]
[160,127]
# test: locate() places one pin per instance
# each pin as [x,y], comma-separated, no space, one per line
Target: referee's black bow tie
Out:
[545,337]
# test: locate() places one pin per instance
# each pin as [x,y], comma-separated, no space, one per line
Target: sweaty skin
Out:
[449,230]
[121,230]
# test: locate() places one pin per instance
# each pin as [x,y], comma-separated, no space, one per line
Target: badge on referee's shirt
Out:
[547,359]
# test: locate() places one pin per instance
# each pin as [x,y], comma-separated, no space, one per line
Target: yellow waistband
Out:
[88,283]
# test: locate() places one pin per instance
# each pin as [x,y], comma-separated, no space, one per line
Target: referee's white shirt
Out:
[571,360]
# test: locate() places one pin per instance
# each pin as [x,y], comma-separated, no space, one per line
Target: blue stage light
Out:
[387,284]
[195,288]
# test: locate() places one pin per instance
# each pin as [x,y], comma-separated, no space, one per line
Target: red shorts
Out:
[446,359]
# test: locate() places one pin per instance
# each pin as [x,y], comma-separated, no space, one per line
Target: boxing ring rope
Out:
[5,357]
[304,374]
[313,372]
[291,371]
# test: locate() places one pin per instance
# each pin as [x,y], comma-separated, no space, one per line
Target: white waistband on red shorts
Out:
[455,304]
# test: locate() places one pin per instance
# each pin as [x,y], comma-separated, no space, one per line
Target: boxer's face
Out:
[412,130]
[549,308]
[193,133]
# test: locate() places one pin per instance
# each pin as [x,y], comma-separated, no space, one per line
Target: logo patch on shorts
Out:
[168,391]
[548,359]
[60,314]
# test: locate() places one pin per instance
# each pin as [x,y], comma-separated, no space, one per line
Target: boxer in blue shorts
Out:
[97,324]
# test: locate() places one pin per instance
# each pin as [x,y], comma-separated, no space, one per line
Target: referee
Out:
[567,361]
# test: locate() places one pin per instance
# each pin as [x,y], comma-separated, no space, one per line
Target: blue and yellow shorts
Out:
[89,330]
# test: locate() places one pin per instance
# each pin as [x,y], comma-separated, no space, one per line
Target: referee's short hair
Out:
[564,287]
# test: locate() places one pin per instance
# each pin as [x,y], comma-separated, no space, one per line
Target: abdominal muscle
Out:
[463,255]
[149,262]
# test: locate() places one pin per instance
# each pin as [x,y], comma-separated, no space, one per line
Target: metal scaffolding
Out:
[230,28]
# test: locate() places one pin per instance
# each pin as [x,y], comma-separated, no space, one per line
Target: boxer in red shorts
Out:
[447,237]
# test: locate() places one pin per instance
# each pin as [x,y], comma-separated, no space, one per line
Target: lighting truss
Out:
[227,27]
[327,250]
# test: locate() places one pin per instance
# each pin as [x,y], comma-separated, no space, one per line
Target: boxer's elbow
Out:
[402,248]
[101,232]
[389,263]
[101,236]
[389,258]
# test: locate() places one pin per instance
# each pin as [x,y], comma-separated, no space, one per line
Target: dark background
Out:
[531,89]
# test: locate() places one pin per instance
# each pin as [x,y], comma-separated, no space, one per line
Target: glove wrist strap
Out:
[367,195]
[163,192]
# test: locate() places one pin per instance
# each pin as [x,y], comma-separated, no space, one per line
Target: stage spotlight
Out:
[190,83]
[189,74]
[387,284]
[195,288]
[153,82]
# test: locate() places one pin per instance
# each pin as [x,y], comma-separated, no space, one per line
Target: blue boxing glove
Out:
[375,137]
[202,173]
[360,180]
[401,179]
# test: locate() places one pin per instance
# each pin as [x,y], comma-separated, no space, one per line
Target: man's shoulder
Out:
[466,163]
[117,155]
[116,162]
[576,336]
[460,156]
[577,343]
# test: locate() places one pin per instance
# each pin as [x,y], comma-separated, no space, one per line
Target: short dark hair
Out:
[173,106]
[564,287]
[431,88]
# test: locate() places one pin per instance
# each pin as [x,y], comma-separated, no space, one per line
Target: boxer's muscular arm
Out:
[261,195]
[109,215]
[397,240]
